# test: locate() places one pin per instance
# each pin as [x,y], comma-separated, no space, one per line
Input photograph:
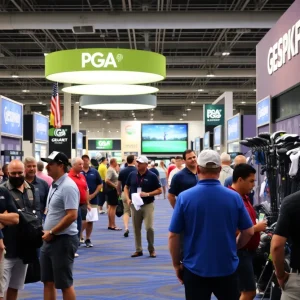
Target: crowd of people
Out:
[214,231]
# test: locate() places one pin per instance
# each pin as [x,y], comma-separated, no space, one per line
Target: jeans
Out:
[197,287]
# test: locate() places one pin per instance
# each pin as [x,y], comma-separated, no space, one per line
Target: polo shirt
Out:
[254,241]
[209,215]
[149,182]
[10,232]
[288,225]
[81,183]
[63,195]
[155,171]
[41,193]
[93,179]
[123,175]
[182,181]
[102,171]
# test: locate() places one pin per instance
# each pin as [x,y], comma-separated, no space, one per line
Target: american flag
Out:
[55,115]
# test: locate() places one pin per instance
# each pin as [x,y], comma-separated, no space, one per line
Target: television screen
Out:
[164,138]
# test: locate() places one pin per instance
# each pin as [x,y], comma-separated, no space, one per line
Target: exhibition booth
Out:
[109,148]
[11,129]
[35,135]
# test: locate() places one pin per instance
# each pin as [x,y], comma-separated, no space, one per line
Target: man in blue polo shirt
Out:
[147,185]
[209,215]
[184,179]
[94,183]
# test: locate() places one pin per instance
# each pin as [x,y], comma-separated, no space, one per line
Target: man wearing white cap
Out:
[147,184]
[209,215]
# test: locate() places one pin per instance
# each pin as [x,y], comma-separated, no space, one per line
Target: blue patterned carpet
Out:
[107,271]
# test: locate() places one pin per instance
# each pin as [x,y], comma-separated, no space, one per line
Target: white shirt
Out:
[173,172]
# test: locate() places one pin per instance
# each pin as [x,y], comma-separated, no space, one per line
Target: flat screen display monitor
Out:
[164,138]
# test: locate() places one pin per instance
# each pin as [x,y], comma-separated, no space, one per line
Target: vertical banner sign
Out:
[79,141]
[218,135]
[263,112]
[206,138]
[130,137]
[41,127]
[11,118]
[234,128]
[197,144]
[213,115]
[60,139]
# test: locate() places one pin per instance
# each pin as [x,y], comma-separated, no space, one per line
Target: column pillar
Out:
[67,107]
[27,109]
[76,117]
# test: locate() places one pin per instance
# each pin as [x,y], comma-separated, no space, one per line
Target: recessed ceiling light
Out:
[88,131]
[180,119]
[103,119]
[152,115]
[80,122]
[254,90]
[108,122]
[77,102]
[80,108]
[193,102]
[98,131]
[188,109]
[40,102]
[200,90]
[25,91]
[134,118]
[98,115]
[225,53]
[15,76]
[117,130]
[243,102]
[184,115]
[210,75]
[85,112]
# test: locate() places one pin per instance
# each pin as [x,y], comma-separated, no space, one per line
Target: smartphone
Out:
[261,217]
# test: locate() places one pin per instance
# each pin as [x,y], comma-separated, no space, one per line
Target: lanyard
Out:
[140,180]
[56,188]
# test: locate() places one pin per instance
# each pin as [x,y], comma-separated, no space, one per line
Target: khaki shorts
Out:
[126,206]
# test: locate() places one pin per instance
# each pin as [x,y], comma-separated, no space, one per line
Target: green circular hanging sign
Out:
[97,65]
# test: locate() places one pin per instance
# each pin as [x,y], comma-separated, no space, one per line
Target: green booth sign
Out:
[213,115]
[104,144]
[105,66]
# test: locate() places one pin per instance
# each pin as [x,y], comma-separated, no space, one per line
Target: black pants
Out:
[224,288]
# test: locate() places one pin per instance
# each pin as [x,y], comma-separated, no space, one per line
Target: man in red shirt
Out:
[243,179]
[84,205]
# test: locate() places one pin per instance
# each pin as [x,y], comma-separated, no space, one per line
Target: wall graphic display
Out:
[234,128]
[218,135]
[41,127]
[104,144]
[11,118]
[164,138]
[263,112]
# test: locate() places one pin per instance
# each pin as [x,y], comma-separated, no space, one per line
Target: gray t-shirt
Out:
[63,195]
[112,176]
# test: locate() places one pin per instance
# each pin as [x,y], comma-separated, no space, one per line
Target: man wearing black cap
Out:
[147,185]
[60,230]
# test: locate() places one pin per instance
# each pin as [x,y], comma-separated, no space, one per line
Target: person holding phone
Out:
[243,178]
[147,185]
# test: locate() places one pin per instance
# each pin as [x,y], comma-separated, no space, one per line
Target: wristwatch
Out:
[51,232]
[148,195]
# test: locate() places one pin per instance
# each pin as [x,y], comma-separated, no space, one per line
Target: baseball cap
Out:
[209,157]
[58,157]
[142,159]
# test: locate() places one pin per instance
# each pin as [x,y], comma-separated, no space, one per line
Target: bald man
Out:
[24,195]
[239,159]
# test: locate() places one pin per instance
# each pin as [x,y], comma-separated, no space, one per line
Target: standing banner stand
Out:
[11,124]
[60,139]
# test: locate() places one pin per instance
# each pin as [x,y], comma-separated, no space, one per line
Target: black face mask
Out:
[16,181]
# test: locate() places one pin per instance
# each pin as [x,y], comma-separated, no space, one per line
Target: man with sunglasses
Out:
[60,230]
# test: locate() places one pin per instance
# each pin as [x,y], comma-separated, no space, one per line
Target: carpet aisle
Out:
[107,271]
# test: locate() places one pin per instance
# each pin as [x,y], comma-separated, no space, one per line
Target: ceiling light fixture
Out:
[103,119]
[80,122]
[41,103]
[226,53]
[98,115]
[85,112]
[14,75]
[151,119]
[135,119]
[193,102]
[243,102]
[25,91]
[180,119]
[118,102]
[110,89]
[184,115]
[188,109]
[210,75]
[105,65]
[254,90]
[200,90]
[77,102]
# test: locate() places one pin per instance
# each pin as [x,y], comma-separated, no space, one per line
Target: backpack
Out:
[30,230]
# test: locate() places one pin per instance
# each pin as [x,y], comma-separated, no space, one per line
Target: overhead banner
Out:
[218,135]
[11,118]
[263,112]
[79,141]
[234,128]
[60,139]
[213,115]
[40,127]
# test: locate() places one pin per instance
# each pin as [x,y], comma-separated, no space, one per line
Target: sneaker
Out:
[126,233]
[102,212]
[88,243]
[76,255]
[82,241]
